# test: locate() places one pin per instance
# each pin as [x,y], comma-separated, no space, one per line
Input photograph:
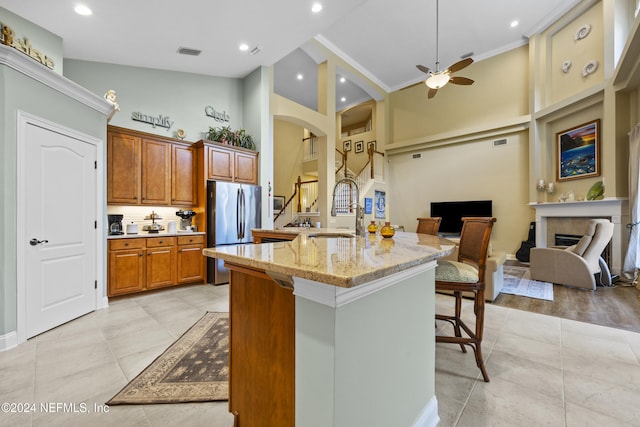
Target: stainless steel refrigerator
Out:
[232,211]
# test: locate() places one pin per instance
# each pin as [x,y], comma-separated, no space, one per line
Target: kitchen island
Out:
[329,329]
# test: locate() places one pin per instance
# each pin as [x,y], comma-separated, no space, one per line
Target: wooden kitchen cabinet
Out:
[123,168]
[146,263]
[191,262]
[146,169]
[183,176]
[156,173]
[223,162]
[161,262]
[126,266]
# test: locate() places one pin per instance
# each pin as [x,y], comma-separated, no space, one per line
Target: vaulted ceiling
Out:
[383,39]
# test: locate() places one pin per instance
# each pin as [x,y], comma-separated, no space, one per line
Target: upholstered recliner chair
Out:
[575,265]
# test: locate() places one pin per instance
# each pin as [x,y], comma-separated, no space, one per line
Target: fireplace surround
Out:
[571,217]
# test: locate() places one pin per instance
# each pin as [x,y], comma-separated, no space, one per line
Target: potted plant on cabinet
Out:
[237,138]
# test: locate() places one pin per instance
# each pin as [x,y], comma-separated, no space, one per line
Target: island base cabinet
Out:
[261,350]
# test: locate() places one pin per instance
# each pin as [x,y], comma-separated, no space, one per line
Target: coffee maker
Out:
[185,220]
[115,225]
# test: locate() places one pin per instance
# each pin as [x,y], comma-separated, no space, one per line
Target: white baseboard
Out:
[8,341]
[429,415]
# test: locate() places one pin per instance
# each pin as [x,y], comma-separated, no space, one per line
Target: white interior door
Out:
[60,228]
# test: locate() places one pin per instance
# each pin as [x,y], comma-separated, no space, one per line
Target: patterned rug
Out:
[193,369]
[517,281]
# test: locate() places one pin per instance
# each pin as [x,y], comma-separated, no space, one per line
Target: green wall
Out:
[180,96]
[19,92]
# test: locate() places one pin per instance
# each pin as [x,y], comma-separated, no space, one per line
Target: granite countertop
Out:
[305,230]
[160,234]
[340,261]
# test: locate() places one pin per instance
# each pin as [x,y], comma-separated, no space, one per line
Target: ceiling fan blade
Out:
[461,81]
[423,68]
[432,93]
[460,65]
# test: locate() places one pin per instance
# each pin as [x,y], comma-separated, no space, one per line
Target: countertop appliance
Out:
[232,211]
[115,224]
[185,220]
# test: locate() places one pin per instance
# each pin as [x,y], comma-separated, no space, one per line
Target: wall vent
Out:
[499,142]
[417,155]
[189,51]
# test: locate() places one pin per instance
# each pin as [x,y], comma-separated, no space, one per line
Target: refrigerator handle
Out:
[238,217]
[243,224]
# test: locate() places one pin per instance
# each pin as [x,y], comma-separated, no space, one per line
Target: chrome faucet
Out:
[359,210]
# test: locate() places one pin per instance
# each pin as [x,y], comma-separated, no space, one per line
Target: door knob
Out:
[34,242]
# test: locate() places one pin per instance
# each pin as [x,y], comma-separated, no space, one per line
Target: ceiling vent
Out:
[189,51]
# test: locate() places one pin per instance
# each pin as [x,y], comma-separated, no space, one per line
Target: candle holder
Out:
[387,230]
[541,186]
[372,228]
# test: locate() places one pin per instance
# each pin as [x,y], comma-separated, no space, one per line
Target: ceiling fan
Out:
[438,79]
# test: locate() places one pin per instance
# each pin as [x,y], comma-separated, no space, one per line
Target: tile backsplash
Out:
[136,214]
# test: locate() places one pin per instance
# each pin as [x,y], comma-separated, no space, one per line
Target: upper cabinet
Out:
[145,169]
[223,162]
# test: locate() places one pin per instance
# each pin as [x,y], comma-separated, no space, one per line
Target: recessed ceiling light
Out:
[342,80]
[243,47]
[317,7]
[343,99]
[82,10]
[299,76]
[514,23]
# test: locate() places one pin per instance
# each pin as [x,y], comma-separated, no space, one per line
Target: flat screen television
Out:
[453,212]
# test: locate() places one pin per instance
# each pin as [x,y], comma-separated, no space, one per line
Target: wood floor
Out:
[617,307]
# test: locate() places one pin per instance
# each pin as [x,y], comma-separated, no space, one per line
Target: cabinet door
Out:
[156,173]
[246,168]
[183,184]
[161,267]
[190,264]
[123,168]
[126,272]
[220,164]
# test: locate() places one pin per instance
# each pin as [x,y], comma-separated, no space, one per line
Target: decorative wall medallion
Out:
[589,68]
[565,66]
[582,32]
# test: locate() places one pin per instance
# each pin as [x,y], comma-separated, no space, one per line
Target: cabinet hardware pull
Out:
[126,244]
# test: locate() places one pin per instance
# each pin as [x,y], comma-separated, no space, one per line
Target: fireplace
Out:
[571,217]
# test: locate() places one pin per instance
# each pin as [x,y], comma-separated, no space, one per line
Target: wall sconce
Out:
[551,188]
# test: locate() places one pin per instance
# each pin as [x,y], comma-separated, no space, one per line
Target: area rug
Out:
[517,281]
[193,369]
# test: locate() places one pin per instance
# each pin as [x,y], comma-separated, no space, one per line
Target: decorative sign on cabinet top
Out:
[160,120]
[23,45]
[217,115]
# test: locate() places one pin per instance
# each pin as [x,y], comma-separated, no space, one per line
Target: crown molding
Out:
[20,62]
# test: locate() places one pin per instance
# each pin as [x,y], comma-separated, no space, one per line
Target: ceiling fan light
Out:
[436,81]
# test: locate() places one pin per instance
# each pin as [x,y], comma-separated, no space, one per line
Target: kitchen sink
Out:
[331,235]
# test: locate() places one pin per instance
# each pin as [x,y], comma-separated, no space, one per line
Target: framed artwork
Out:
[359,146]
[278,203]
[368,205]
[346,145]
[371,143]
[578,151]
[380,204]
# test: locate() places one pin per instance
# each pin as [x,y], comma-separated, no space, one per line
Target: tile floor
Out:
[544,370]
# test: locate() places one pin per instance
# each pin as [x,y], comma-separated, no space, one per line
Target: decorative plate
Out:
[582,32]
[589,68]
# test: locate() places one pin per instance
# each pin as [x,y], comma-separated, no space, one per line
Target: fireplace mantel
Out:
[614,208]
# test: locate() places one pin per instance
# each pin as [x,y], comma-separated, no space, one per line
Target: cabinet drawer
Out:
[155,242]
[191,240]
[121,244]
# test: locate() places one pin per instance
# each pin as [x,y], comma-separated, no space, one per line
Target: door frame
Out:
[25,119]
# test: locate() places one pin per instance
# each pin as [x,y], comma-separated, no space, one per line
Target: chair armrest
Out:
[562,267]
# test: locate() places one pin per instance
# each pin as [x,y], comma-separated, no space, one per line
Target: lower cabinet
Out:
[146,263]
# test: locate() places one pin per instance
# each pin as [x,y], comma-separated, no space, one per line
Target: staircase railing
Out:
[303,192]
